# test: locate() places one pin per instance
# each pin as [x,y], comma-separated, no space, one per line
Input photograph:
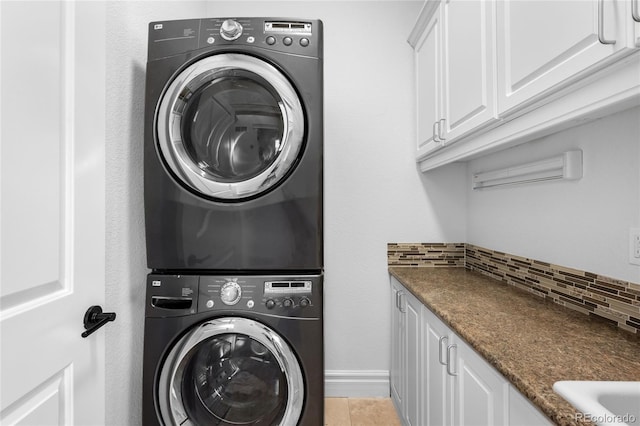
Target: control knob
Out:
[304,302]
[230,293]
[270,303]
[287,303]
[230,30]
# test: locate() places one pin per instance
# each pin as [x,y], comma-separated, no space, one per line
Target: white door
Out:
[52,211]
[428,69]
[435,377]
[411,308]
[481,393]
[543,45]
[397,347]
[469,59]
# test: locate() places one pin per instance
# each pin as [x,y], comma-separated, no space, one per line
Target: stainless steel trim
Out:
[449,348]
[170,401]
[635,14]
[601,37]
[442,339]
[169,118]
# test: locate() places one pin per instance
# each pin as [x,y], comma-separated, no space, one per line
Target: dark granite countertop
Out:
[532,342]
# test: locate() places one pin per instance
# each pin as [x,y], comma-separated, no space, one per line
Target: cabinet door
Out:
[435,338]
[428,74]
[397,342]
[522,412]
[481,393]
[469,74]
[545,45]
[411,309]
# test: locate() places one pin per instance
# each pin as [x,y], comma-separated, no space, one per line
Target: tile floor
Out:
[359,412]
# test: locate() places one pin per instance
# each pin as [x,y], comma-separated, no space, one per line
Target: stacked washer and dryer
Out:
[233,170]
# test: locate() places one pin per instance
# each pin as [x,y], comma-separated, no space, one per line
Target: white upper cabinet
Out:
[454,71]
[545,45]
[469,58]
[491,74]
[428,73]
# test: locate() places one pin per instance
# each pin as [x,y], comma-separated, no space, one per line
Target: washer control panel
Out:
[299,36]
[286,296]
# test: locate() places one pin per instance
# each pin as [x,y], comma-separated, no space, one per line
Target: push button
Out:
[287,41]
[271,40]
[304,42]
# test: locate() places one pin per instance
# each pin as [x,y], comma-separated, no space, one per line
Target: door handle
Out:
[442,339]
[449,370]
[94,318]
[635,14]
[441,124]
[435,134]
[601,37]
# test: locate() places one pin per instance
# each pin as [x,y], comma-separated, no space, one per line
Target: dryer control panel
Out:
[299,36]
[286,296]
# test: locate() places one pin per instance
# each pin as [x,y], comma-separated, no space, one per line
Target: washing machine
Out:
[233,350]
[233,145]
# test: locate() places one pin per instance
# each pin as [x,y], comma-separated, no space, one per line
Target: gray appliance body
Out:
[222,350]
[233,146]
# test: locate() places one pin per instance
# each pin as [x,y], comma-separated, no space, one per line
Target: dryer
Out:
[233,142]
[233,350]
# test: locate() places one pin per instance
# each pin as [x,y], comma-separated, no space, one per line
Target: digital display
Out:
[287,287]
[288,27]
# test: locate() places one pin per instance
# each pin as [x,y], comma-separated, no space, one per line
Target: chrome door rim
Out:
[169,385]
[169,119]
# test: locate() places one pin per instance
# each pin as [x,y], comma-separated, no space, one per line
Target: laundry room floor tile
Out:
[336,412]
[360,412]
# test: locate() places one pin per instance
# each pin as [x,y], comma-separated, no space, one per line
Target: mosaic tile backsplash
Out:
[614,300]
[426,254]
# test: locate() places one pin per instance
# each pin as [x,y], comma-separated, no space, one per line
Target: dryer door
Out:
[230,126]
[231,371]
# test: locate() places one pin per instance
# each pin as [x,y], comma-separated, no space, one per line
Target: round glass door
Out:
[230,126]
[231,371]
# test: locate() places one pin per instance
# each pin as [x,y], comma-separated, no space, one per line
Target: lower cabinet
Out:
[438,379]
[405,355]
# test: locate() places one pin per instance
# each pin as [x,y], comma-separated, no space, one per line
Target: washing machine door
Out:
[231,371]
[230,126]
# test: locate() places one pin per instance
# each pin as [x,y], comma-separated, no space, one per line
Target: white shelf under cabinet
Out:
[611,90]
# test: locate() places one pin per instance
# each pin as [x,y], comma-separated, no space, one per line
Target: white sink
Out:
[604,403]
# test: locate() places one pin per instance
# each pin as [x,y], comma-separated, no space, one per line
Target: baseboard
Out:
[356,383]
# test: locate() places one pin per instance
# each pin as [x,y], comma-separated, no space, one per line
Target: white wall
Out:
[373,191]
[581,224]
[125,252]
